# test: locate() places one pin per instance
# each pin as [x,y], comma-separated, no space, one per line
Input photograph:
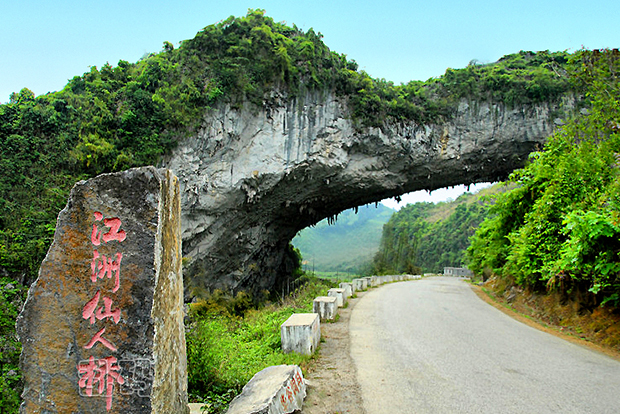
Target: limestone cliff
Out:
[252,177]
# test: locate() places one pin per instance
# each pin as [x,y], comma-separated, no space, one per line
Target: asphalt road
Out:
[432,346]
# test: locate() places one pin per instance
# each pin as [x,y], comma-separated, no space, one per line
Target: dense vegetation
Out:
[560,227]
[228,341]
[11,301]
[117,117]
[346,244]
[426,237]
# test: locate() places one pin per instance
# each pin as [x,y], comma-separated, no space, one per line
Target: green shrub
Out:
[559,228]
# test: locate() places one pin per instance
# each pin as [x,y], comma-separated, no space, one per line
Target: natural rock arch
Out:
[251,178]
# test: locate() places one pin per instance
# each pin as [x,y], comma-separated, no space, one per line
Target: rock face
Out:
[102,328]
[279,389]
[251,178]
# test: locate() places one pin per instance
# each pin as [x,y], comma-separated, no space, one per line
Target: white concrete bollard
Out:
[301,333]
[339,294]
[348,289]
[360,284]
[278,389]
[326,307]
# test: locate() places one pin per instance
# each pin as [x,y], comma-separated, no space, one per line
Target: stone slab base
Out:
[280,389]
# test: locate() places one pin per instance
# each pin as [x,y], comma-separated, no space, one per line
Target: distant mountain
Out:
[345,245]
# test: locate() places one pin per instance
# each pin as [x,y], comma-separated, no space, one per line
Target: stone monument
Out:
[102,328]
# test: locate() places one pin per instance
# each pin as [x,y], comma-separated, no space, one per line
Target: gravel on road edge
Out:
[332,379]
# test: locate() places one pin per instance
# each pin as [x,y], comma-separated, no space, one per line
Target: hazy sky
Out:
[47,42]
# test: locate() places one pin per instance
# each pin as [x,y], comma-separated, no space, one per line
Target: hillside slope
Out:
[347,243]
[426,237]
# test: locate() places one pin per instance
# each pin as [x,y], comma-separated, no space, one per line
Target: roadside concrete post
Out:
[361,284]
[338,294]
[276,389]
[326,307]
[301,333]
[348,289]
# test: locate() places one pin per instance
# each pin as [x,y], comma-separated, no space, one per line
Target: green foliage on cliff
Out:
[11,300]
[426,237]
[560,227]
[516,79]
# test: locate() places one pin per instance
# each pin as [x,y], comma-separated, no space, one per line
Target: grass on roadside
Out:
[228,342]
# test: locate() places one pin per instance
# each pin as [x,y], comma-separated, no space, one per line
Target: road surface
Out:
[432,346]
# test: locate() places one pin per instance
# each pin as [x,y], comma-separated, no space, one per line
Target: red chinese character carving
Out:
[293,385]
[95,235]
[283,401]
[289,395]
[91,376]
[103,266]
[113,234]
[298,378]
[89,309]
[99,338]
[110,374]
[105,373]
[104,312]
